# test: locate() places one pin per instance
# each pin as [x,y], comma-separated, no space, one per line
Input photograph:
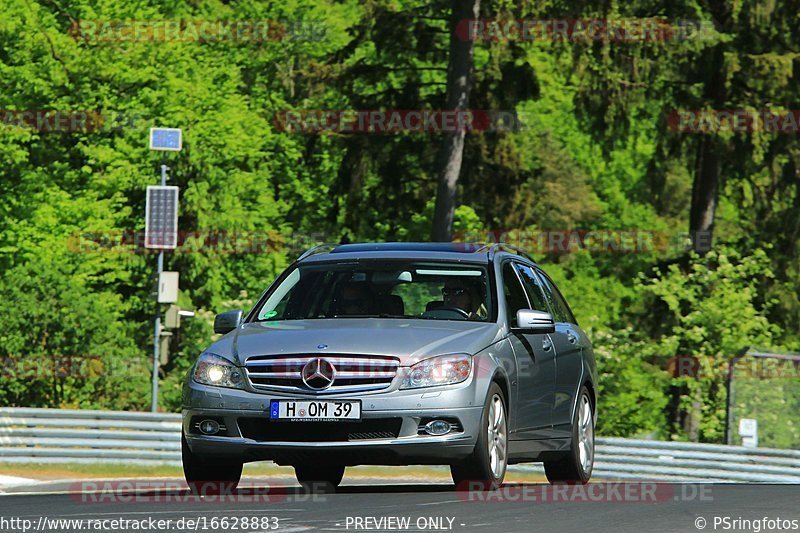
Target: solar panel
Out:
[169,139]
[161,217]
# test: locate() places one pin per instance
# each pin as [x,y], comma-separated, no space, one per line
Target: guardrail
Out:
[78,436]
[617,458]
[70,436]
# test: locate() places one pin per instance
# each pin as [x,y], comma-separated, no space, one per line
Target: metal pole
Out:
[729,396]
[157,329]
[157,334]
[729,404]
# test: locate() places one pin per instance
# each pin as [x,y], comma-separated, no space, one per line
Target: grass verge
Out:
[410,474]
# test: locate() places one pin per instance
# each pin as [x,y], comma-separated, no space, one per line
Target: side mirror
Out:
[530,321]
[225,322]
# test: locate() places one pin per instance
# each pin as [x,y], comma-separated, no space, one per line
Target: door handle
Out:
[547,344]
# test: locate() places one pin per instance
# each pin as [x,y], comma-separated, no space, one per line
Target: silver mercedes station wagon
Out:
[396,354]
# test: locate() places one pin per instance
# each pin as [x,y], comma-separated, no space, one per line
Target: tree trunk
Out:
[705,190]
[705,193]
[459,72]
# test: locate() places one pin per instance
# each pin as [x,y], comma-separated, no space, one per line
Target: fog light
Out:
[437,427]
[209,427]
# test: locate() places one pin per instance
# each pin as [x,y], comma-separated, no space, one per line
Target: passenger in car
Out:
[356,298]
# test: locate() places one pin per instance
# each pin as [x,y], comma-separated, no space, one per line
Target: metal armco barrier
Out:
[68,436]
[629,459]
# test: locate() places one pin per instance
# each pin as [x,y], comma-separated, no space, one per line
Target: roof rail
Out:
[318,249]
[503,247]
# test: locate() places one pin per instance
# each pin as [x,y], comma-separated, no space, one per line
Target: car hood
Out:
[409,339]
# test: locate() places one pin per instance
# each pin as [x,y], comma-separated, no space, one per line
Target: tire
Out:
[207,475]
[486,467]
[575,467]
[319,478]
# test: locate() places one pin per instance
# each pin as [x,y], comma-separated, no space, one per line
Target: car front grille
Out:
[265,430]
[351,373]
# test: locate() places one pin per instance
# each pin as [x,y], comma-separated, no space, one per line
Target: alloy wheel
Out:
[586,435]
[497,436]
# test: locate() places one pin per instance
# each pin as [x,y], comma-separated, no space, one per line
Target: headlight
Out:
[218,372]
[442,370]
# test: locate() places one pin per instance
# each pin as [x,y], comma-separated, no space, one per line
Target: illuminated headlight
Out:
[442,370]
[218,372]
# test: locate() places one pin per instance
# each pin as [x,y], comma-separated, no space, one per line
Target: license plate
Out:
[319,411]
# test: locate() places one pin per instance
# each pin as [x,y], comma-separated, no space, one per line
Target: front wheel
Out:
[486,467]
[576,466]
[209,475]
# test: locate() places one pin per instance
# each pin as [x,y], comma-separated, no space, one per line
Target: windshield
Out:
[379,289]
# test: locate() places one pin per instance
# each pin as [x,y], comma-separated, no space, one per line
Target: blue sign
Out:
[169,139]
[273,410]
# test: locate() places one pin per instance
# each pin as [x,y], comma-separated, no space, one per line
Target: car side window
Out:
[560,308]
[533,287]
[514,293]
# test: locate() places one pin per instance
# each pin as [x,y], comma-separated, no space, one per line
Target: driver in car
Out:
[461,294]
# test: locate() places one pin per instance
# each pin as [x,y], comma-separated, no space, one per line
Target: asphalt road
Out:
[361,507]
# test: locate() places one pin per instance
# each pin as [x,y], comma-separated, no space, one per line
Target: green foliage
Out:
[710,313]
[632,389]
[770,395]
[593,152]
[65,345]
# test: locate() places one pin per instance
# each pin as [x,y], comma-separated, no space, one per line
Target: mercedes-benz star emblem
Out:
[318,374]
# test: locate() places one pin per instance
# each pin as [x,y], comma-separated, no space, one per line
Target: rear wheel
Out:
[576,466]
[486,467]
[206,475]
[319,477]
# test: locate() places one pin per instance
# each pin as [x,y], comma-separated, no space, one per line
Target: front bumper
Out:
[240,410]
